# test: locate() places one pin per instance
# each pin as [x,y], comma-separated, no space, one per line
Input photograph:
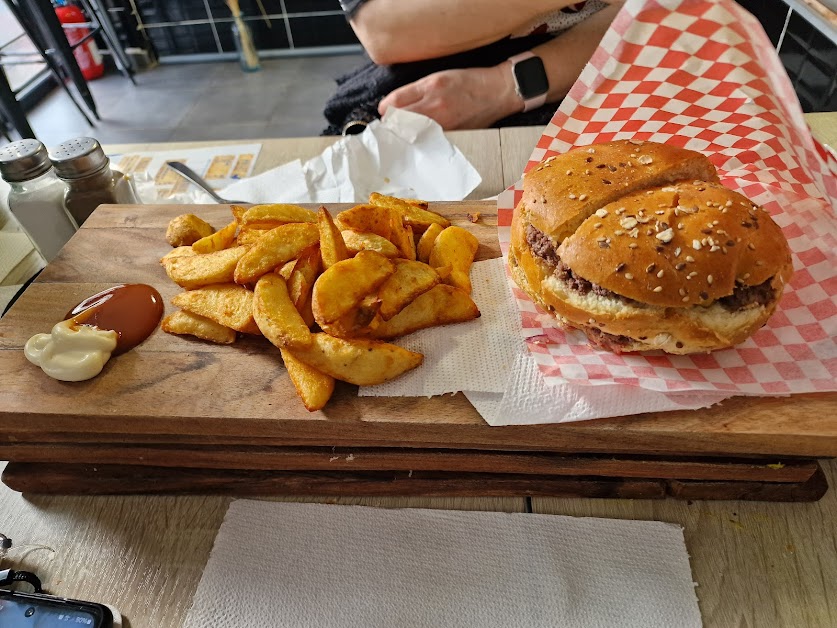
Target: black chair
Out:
[41,25]
[11,112]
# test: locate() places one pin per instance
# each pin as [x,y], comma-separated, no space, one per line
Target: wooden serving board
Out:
[175,395]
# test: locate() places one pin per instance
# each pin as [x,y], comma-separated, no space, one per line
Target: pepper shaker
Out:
[85,169]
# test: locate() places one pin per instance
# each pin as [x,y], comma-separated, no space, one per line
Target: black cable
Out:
[10,576]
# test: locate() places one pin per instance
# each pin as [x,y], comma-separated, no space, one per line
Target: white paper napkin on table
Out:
[403,154]
[284,565]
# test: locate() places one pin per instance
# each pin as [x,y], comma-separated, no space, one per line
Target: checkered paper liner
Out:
[703,75]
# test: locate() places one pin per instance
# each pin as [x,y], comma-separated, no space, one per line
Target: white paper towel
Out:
[403,154]
[284,565]
[488,360]
[529,400]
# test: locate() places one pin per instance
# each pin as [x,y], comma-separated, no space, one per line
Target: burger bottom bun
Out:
[692,329]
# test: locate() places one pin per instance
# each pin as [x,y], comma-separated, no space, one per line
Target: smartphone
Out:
[36,610]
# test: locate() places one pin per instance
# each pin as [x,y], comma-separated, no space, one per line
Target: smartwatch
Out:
[530,80]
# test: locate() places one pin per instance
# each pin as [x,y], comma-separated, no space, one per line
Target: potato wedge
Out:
[307,313]
[357,322]
[440,305]
[366,219]
[456,248]
[425,243]
[409,280]
[401,235]
[341,287]
[332,247]
[361,362]
[443,272]
[412,201]
[356,242]
[276,214]
[312,386]
[194,271]
[286,269]
[275,314]
[227,304]
[248,237]
[418,217]
[186,229]
[177,252]
[188,324]
[238,212]
[218,241]
[276,247]
[304,274]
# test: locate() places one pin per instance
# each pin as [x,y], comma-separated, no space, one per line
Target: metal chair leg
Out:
[123,61]
[62,81]
[43,15]
[12,110]
[29,24]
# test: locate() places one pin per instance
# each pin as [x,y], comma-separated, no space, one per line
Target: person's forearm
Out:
[563,58]
[474,98]
[395,31]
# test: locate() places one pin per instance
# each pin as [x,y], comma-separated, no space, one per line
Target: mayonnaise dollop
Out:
[71,352]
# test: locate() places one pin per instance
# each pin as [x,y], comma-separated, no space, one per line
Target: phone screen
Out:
[31,612]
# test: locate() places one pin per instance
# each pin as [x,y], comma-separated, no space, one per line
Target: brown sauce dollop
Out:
[133,311]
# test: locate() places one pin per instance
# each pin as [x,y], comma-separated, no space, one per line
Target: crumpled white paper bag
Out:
[404,154]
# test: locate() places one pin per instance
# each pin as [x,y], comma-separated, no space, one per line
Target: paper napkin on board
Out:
[288,565]
[403,154]
[476,355]
[529,400]
[488,361]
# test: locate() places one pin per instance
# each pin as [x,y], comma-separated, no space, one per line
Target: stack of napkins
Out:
[18,258]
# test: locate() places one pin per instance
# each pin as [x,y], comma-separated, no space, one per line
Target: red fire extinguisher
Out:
[87,55]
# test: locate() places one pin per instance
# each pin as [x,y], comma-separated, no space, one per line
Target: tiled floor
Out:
[207,101]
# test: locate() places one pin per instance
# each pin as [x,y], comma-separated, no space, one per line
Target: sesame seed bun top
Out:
[560,193]
[678,246]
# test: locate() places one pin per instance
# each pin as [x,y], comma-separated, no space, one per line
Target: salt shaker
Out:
[85,169]
[36,198]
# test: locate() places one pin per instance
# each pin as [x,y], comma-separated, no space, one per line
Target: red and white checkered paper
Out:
[703,75]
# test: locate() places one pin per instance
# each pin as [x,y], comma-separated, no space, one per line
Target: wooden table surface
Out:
[756,564]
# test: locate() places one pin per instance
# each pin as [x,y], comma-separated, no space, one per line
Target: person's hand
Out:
[473,98]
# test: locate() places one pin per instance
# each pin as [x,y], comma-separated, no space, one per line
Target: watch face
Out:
[531,78]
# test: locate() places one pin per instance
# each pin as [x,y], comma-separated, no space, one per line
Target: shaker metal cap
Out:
[23,160]
[78,158]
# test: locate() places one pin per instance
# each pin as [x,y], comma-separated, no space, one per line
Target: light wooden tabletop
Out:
[756,564]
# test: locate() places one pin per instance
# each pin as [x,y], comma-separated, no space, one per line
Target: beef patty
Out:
[609,342]
[542,248]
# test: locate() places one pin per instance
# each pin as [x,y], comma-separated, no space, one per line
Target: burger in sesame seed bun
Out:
[647,251]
